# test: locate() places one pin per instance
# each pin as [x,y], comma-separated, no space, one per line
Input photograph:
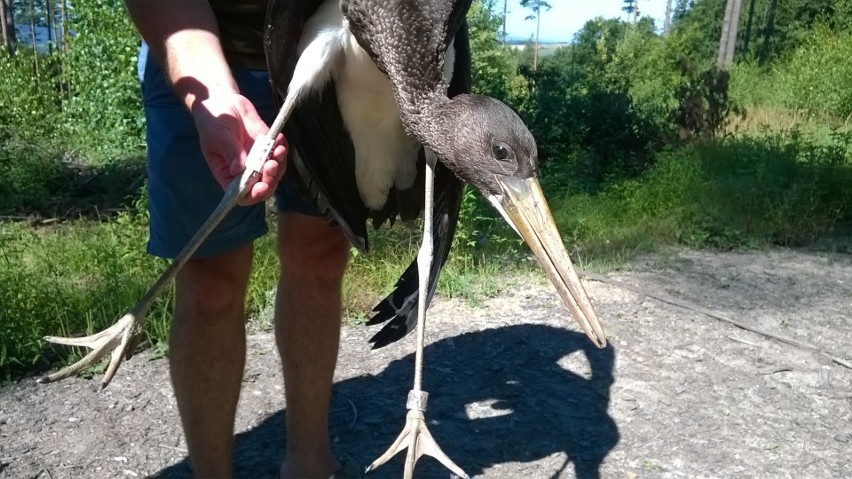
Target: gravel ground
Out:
[517,392]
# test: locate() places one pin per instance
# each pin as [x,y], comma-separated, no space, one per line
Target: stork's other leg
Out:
[207,355]
[415,435]
[313,259]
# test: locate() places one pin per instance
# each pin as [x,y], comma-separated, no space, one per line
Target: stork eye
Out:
[501,151]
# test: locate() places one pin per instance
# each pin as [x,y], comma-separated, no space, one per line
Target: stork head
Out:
[487,145]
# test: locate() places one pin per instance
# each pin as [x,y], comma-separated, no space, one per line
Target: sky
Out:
[566,17]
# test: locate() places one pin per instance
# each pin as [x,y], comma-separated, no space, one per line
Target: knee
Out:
[211,288]
[319,255]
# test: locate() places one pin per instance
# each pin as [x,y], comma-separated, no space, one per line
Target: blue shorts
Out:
[181,190]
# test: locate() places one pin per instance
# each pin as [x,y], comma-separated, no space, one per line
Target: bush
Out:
[30,176]
[814,78]
[84,101]
[29,103]
[102,115]
[69,279]
[736,192]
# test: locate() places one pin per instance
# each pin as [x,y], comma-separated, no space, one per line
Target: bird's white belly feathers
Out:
[385,156]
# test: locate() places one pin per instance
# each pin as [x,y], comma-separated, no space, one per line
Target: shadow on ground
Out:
[55,186]
[496,396]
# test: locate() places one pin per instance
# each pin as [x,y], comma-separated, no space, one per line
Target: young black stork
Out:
[378,112]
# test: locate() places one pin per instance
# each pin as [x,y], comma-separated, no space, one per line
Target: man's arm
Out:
[184,38]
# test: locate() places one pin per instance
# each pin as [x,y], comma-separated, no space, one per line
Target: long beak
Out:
[525,209]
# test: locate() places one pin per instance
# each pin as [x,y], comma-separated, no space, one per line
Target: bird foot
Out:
[415,437]
[117,339]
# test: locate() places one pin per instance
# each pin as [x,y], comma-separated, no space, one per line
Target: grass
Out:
[68,279]
[740,192]
[751,189]
[77,277]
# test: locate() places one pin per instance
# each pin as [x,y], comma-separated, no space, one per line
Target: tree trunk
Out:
[51,35]
[635,11]
[63,16]
[537,28]
[726,28]
[748,27]
[7,23]
[667,23]
[768,29]
[730,28]
[733,30]
[32,26]
[33,37]
[505,4]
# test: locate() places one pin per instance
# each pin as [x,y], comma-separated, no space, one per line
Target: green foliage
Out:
[646,65]
[812,79]
[83,101]
[699,22]
[70,279]
[30,174]
[101,73]
[78,277]
[818,73]
[494,68]
[605,104]
[697,26]
[627,124]
[595,44]
[730,193]
[28,102]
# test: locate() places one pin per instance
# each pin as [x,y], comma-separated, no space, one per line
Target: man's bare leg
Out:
[207,352]
[308,314]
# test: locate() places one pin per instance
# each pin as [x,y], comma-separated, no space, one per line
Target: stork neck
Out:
[425,116]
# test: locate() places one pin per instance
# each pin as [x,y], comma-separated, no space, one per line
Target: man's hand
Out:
[227,126]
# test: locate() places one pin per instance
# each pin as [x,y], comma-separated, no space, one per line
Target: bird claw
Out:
[415,437]
[117,341]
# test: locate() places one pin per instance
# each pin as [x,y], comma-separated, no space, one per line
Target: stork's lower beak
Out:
[525,209]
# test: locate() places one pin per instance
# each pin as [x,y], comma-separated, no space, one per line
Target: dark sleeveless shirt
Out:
[241,31]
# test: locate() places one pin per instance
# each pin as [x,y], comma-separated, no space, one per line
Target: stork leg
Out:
[415,436]
[118,340]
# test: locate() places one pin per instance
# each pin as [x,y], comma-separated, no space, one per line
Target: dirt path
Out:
[516,394]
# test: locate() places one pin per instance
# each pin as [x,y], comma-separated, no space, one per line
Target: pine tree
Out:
[535,6]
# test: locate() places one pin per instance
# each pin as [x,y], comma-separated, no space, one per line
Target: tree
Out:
[494,67]
[630,7]
[7,26]
[535,6]
[697,28]
[33,36]
[767,31]
[667,23]
[730,27]
[505,14]
[680,9]
[777,28]
[749,23]
[595,44]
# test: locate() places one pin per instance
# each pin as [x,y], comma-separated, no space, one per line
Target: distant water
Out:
[24,36]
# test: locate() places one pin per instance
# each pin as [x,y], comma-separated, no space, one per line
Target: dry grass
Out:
[756,120]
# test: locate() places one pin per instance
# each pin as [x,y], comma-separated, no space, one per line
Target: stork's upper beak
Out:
[523,206]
